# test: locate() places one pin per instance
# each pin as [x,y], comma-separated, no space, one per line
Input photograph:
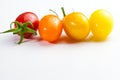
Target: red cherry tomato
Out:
[26,25]
[28,17]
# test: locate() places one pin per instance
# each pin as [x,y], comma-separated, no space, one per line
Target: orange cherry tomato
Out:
[50,28]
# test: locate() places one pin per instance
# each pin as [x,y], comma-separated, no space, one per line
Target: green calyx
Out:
[20,29]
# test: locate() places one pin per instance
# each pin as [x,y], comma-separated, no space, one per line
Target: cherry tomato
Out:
[26,25]
[76,26]
[28,17]
[50,28]
[101,23]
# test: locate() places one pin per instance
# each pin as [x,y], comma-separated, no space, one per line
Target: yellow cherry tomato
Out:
[76,26]
[101,23]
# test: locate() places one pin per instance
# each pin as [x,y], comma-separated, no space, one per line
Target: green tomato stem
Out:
[53,12]
[21,29]
[63,11]
[21,37]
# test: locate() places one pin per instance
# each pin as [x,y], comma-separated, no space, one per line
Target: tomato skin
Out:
[76,26]
[101,23]
[50,28]
[31,17]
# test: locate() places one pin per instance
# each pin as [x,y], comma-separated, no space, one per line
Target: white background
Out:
[39,60]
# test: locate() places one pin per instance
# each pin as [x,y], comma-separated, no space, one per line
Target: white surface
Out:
[39,60]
